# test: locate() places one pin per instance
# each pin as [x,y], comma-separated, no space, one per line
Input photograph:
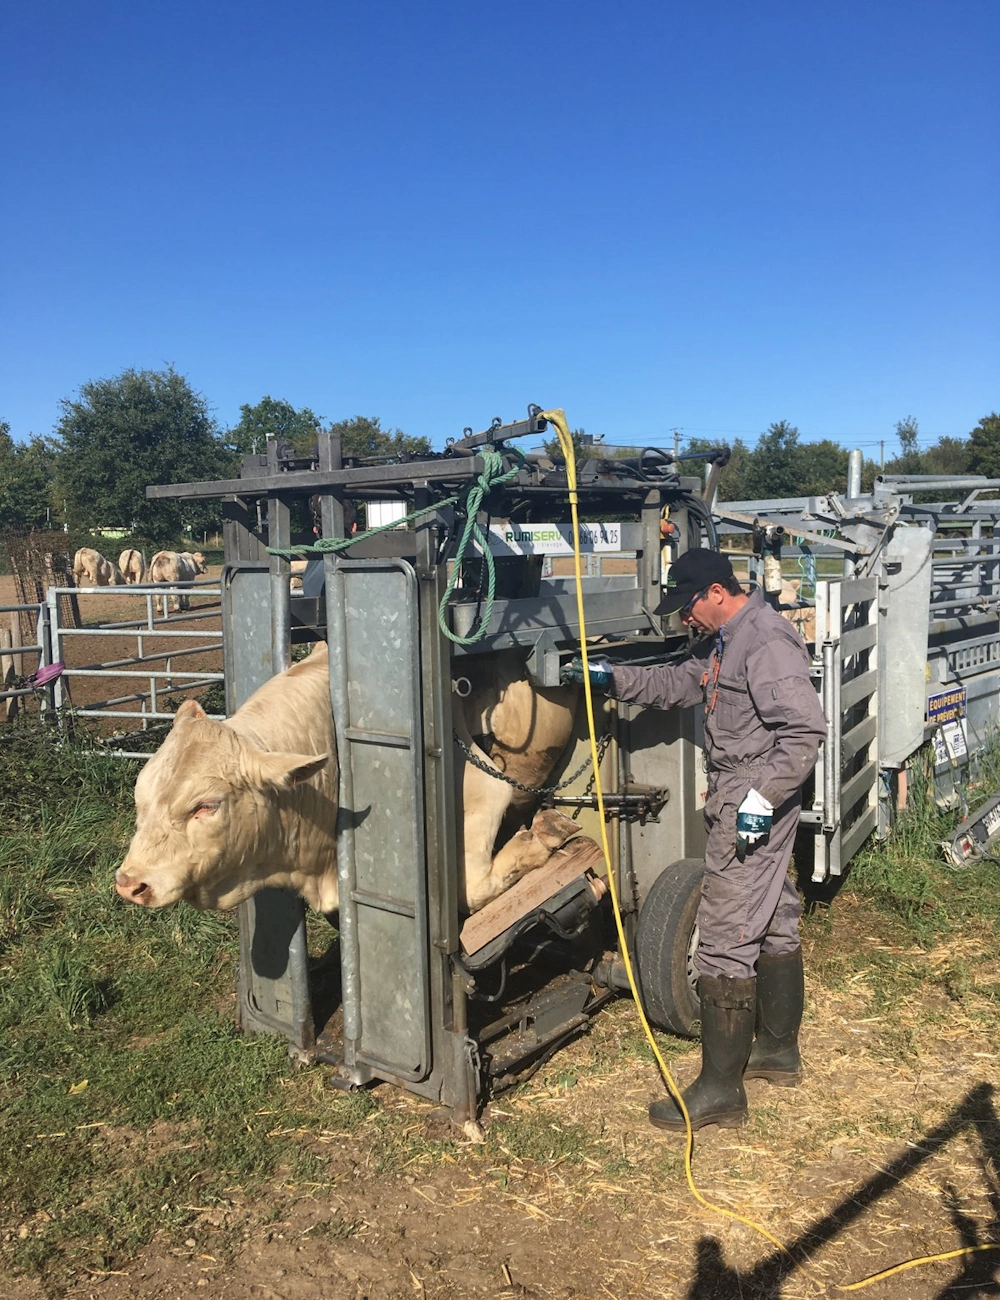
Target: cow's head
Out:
[208,816]
[199,561]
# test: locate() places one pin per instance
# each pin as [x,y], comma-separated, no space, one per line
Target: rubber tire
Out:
[665,939]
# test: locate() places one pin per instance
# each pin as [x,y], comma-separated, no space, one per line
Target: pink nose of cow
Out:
[132,890]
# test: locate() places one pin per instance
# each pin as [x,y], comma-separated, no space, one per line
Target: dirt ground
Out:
[889,1150]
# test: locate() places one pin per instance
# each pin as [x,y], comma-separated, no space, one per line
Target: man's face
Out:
[705,612]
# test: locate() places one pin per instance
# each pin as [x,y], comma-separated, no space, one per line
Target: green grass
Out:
[907,876]
[125,1091]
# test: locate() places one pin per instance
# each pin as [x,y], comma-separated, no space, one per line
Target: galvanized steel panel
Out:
[903,627]
[847,775]
[273,984]
[247,624]
[375,668]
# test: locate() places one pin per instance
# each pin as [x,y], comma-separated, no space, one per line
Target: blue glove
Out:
[753,822]
[601,675]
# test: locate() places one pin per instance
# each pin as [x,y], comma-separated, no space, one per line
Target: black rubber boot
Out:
[716,1096]
[775,1053]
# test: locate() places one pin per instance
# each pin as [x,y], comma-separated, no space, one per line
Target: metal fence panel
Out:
[847,793]
[375,675]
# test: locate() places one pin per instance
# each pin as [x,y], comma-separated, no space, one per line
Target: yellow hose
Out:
[557,418]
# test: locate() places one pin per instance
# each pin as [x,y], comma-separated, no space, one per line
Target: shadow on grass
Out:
[977,1276]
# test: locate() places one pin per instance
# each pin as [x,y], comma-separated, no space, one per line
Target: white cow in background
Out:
[132,564]
[91,569]
[802,617]
[173,568]
[298,568]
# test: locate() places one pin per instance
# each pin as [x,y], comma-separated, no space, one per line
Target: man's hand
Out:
[753,822]
[600,672]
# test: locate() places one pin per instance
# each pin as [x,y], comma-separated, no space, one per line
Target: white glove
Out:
[753,822]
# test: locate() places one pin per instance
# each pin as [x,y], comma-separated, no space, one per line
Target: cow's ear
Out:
[285,770]
[189,709]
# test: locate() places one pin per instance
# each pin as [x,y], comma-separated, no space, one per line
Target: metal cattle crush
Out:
[416,1007]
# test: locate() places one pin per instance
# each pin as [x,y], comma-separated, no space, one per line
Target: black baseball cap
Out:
[691,573]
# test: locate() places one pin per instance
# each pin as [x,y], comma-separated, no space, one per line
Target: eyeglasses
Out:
[686,609]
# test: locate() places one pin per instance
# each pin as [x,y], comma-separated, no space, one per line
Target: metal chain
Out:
[602,746]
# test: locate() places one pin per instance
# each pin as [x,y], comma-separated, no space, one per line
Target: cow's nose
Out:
[132,890]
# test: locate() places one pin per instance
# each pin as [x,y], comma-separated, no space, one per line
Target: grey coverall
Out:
[763,727]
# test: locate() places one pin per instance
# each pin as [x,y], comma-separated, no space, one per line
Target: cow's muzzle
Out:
[132,890]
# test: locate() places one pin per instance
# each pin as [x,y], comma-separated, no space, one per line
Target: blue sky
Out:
[704,216]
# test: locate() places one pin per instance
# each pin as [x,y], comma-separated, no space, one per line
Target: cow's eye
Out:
[206,808]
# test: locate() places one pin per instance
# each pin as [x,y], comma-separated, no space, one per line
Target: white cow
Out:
[803,617]
[91,569]
[528,728]
[132,564]
[226,808]
[173,568]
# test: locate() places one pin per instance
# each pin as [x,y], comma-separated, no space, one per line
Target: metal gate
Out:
[374,640]
[847,773]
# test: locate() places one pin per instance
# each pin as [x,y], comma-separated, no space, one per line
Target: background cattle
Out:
[173,568]
[132,564]
[803,617]
[91,569]
[298,568]
[226,808]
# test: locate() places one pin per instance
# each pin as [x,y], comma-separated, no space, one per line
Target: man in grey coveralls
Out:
[763,728]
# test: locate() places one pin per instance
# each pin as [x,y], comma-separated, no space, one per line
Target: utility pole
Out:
[882,454]
[677,442]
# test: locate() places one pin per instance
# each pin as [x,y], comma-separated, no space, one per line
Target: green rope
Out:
[324,545]
[493,475]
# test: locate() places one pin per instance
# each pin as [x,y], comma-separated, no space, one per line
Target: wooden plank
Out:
[15,639]
[531,891]
[8,708]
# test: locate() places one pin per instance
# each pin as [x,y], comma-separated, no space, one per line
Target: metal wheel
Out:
[666,939]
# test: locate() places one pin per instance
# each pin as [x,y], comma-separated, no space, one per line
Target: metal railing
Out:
[154,667]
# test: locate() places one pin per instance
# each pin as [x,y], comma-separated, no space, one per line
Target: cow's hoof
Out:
[554,828]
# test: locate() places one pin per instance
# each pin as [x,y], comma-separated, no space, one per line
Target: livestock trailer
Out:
[409,621]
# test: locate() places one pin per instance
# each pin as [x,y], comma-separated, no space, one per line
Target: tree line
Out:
[143,426]
[780,465]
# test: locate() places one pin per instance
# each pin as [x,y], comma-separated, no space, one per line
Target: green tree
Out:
[732,481]
[947,456]
[122,434]
[583,446]
[821,467]
[25,478]
[984,442]
[363,436]
[775,464]
[273,418]
[909,459]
